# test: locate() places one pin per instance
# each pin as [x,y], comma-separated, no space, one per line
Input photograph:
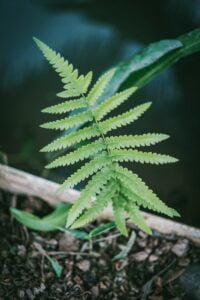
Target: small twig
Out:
[110,237]
[123,254]
[174,276]
[42,267]
[93,254]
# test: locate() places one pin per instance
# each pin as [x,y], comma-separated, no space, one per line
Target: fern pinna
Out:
[110,182]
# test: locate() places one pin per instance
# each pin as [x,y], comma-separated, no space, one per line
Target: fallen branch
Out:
[20,182]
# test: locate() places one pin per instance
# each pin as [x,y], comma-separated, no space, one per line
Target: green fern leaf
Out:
[85,171]
[130,194]
[138,187]
[81,153]
[72,139]
[142,157]
[124,119]
[111,103]
[119,218]
[70,92]
[93,188]
[66,106]
[137,219]
[69,122]
[87,81]
[97,207]
[99,87]
[125,141]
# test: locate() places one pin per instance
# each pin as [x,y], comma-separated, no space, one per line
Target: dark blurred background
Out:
[94,35]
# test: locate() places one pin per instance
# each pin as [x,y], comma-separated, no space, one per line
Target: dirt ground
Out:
[154,267]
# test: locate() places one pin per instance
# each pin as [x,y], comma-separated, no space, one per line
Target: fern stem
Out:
[108,152]
[98,128]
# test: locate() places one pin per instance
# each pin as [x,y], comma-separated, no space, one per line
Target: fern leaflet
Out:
[111,103]
[119,217]
[81,153]
[137,218]
[65,106]
[123,119]
[142,157]
[69,122]
[93,188]
[72,139]
[99,87]
[85,171]
[100,203]
[126,141]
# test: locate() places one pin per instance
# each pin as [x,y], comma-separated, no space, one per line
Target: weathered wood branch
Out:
[20,182]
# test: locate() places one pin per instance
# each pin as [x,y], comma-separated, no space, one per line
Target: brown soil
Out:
[151,270]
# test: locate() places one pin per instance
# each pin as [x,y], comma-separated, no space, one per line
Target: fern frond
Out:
[74,85]
[72,139]
[124,189]
[81,153]
[99,87]
[141,157]
[85,171]
[93,188]
[119,217]
[100,203]
[69,122]
[137,218]
[124,119]
[111,103]
[125,141]
[66,106]
[138,187]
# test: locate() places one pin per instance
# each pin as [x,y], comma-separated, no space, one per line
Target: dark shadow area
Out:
[95,35]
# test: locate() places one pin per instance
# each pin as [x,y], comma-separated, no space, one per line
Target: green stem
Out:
[103,138]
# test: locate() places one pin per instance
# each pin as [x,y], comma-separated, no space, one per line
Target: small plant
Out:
[110,182]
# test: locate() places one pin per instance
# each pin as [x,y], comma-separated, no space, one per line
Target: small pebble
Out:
[153,258]
[180,248]
[140,256]
[84,265]
[95,291]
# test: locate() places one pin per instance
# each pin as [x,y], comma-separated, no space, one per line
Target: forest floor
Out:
[151,267]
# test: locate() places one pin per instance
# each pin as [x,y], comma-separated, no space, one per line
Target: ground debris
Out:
[148,267]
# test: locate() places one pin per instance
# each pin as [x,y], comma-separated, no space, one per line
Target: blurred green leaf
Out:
[79,234]
[51,222]
[55,265]
[145,65]
[150,61]
[101,229]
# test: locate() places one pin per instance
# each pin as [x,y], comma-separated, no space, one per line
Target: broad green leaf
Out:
[51,222]
[150,61]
